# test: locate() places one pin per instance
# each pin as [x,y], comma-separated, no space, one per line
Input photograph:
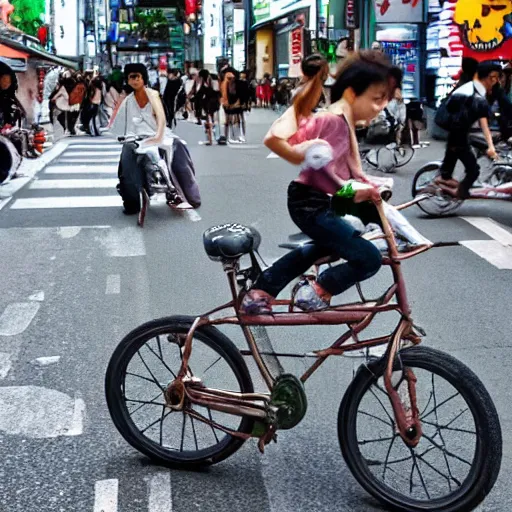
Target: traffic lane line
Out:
[491,228]
[493,251]
[113,284]
[160,493]
[106,495]
[74,184]
[17,317]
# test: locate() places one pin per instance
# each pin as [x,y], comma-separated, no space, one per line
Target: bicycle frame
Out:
[357,316]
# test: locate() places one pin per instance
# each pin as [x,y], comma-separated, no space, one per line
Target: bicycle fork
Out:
[403,398]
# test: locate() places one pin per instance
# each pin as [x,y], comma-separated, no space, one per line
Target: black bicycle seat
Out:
[230,241]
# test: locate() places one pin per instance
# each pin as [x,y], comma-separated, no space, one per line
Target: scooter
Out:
[154,177]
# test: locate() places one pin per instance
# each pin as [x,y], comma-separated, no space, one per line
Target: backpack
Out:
[455,112]
[76,96]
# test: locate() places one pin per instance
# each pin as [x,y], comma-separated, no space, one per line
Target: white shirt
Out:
[470,88]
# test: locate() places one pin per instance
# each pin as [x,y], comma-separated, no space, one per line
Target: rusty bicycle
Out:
[417,428]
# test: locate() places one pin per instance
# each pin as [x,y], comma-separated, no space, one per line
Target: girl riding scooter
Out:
[142,115]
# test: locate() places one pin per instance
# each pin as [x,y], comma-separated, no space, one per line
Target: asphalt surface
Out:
[87,276]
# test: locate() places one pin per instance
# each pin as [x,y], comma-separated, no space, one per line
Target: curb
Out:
[29,168]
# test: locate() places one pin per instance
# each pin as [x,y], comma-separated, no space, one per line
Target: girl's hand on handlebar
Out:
[367,194]
[150,141]
[491,153]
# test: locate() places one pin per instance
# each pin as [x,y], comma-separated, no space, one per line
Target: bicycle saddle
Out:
[230,241]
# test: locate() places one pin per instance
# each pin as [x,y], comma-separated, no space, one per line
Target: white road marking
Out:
[272,155]
[91,160]
[73,184]
[69,231]
[123,243]
[160,493]
[17,317]
[76,427]
[493,251]
[39,413]
[192,215]
[106,145]
[492,229]
[82,154]
[38,296]
[81,169]
[106,495]
[113,284]
[4,202]
[5,364]
[45,361]
[34,203]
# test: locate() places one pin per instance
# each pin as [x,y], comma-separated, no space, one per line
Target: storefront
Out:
[463,28]
[400,32]
[283,35]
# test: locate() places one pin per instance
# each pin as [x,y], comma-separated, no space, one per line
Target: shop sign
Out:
[261,10]
[350,15]
[399,11]
[66,28]
[267,10]
[486,30]
[296,46]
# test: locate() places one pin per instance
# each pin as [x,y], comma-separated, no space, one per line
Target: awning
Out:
[7,51]
[40,56]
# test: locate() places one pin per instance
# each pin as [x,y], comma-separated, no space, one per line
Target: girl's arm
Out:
[158,110]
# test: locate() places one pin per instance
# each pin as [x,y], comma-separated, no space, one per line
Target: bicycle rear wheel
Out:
[436,205]
[141,368]
[458,458]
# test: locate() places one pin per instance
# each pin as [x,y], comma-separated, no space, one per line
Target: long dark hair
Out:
[361,70]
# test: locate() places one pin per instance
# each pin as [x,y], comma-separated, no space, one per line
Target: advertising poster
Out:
[398,11]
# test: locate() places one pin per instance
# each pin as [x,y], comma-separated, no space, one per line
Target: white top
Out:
[131,120]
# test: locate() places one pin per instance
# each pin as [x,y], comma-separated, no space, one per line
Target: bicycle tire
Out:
[114,380]
[435,206]
[488,453]
[408,156]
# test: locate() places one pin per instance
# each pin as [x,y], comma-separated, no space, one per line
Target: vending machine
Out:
[403,45]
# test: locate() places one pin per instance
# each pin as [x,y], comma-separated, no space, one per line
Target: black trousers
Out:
[459,149]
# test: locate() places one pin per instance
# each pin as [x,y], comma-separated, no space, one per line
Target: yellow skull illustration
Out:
[482,22]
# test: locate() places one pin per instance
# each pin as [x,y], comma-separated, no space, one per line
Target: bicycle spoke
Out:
[140,377]
[161,426]
[194,432]
[444,427]
[376,418]
[443,449]
[161,360]
[440,405]
[382,405]
[381,440]
[449,478]
[212,365]
[183,431]
[150,372]
[143,402]
[211,426]
[387,457]
[155,422]
[415,465]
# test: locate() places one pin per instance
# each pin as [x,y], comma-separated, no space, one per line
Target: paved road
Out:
[77,275]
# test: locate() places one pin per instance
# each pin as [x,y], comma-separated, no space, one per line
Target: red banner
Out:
[296,51]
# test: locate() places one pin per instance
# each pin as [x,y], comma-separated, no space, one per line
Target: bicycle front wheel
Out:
[458,458]
[141,368]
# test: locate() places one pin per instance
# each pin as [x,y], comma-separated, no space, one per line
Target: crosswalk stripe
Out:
[81,154]
[160,493]
[491,228]
[493,251]
[104,146]
[106,495]
[91,160]
[73,184]
[34,203]
[81,169]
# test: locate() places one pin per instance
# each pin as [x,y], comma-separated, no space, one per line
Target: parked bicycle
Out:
[417,428]
[436,201]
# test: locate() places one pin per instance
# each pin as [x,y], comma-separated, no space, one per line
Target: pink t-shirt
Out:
[333,129]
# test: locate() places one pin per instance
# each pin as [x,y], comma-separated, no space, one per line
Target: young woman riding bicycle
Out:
[360,92]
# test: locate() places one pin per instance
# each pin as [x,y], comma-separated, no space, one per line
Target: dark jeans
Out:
[458,148]
[332,235]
